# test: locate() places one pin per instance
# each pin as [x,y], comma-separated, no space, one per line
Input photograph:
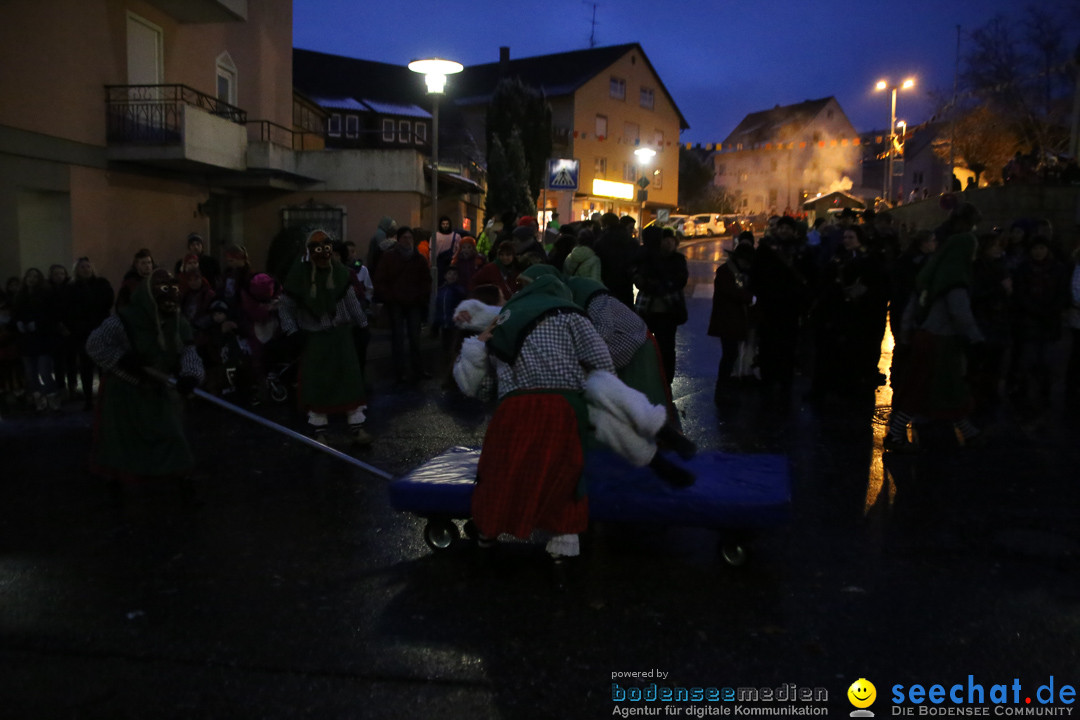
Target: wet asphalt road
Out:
[288,587]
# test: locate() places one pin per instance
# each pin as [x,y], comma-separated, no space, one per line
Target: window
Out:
[226,79]
[387,130]
[352,126]
[629,172]
[420,132]
[333,129]
[658,138]
[647,98]
[600,167]
[631,132]
[601,126]
[404,131]
[618,88]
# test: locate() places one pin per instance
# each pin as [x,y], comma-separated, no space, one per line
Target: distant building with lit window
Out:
[775,160]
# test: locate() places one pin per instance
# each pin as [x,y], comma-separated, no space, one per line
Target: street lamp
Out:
[434,71]
[644,156]
[907,84]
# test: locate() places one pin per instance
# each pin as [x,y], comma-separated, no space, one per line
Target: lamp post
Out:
[884,85]
[644,156]
[434,71]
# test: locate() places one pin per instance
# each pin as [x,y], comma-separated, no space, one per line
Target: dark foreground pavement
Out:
[287,587]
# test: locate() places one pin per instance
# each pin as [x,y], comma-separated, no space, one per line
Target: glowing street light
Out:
[644,156]
[434,71]
[907,84]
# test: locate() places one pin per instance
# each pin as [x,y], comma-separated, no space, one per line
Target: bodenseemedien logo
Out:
[862,694]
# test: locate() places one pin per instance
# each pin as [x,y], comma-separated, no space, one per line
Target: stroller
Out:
[282,373]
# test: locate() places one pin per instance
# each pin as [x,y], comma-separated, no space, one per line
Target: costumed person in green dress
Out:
[318,311]
[138,431]
[937,323]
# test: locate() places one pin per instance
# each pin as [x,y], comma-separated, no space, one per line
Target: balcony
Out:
[203,11]
[174,126]
[272,156]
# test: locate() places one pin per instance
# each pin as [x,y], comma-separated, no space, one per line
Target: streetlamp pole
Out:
[434,71]
[891,150]
[892,147]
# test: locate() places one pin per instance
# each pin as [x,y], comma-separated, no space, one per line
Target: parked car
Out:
[704,225]
[674,221]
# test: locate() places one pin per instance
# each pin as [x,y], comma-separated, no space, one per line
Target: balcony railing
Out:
[271,132]
[153,114]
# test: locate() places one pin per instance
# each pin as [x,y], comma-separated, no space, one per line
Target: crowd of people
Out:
[978,314]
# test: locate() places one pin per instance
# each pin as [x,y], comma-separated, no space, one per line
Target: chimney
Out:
[504,57]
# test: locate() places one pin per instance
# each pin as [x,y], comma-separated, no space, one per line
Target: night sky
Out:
[719,60]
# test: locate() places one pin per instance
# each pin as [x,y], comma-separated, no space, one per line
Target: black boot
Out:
[671,473]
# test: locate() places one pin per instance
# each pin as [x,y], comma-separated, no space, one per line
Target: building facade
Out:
[136,122]
[606,103]
[775,160]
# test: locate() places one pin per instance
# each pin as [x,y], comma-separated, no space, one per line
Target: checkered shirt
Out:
[557,354]
[109,342]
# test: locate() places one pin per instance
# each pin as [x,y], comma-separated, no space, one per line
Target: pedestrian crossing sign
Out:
[563,174]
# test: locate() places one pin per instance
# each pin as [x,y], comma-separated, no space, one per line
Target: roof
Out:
[556,74]
[778,124]
[840,195]
[321,75]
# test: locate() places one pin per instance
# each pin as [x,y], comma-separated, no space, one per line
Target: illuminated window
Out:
[387,130]
[334,128]
[647,98]
[618,88]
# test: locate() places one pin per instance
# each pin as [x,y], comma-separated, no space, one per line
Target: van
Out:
[705,225]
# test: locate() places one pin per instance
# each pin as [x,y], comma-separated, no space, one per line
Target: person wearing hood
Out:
[582,260]
[139,432]
[384,238]
[318,310]
[534,358]
[937,322]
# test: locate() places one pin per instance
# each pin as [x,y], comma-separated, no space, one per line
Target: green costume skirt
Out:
[139,432]
[330,376]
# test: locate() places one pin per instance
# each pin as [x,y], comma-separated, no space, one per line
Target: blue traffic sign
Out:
[563,174]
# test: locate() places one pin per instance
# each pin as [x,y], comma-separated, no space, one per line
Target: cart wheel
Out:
[278,392]
[440,534]
[734,553]
[471,531]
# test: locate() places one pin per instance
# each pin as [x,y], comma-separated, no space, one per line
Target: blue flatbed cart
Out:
[734,495]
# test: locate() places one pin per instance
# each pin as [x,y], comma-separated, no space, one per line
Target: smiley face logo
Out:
[862,693]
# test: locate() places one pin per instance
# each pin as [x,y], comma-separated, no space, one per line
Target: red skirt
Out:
[529,469]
